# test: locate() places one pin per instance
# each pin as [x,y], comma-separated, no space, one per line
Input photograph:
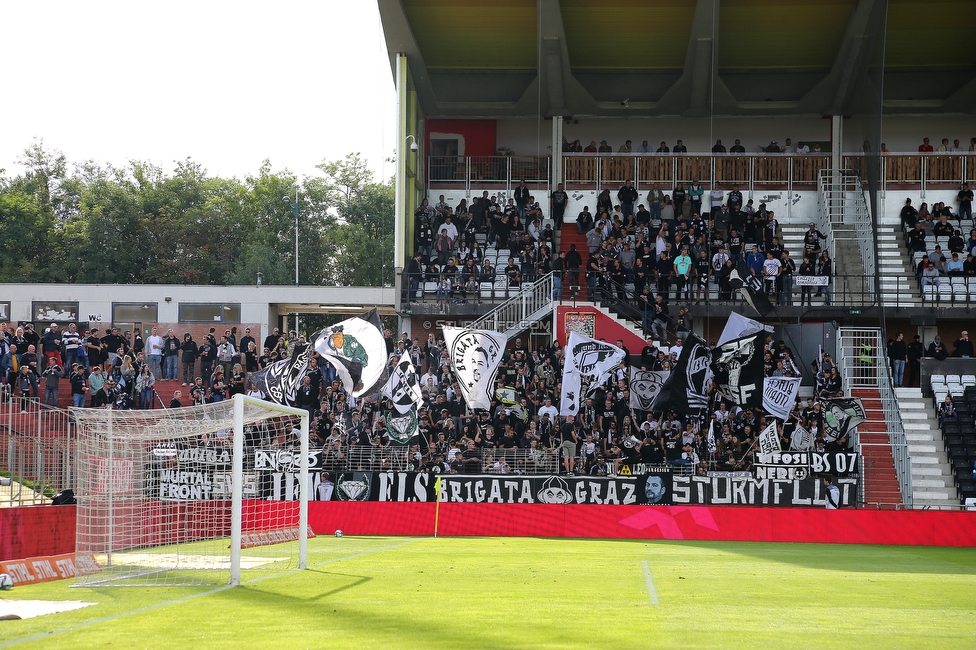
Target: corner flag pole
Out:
[437,506]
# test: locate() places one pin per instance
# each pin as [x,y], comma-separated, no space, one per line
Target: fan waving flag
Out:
[686,390]
[738,326]
[588,363]
[752,289]
[768,440]
[475,356]
[779,395]
[280,380]
[738,368]
[403,387]
[357,349]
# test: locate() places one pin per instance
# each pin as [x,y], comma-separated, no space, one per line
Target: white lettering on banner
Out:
[834,463]
[203,455]
[810,280]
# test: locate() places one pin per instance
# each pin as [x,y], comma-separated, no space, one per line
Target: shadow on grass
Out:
[858,558]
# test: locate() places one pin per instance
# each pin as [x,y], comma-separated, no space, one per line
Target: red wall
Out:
[738,523]
[479,135]
[32,531]
[605,327]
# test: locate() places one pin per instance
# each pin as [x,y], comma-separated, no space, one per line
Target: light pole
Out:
[294,211]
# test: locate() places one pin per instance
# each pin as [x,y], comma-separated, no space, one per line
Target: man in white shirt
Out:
[788,147]
[550,409]
[154,346]
[771,269]
[717,197]
[831,493]
[803,148]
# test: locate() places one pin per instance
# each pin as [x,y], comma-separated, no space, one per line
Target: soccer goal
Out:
[193,495]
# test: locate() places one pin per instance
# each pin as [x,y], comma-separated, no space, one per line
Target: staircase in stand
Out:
[878,475]
[933,485]
[518,313]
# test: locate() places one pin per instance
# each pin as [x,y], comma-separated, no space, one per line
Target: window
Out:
[204,312]
[135,312]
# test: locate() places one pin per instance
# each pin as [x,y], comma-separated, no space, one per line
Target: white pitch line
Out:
[148,608]
[649,583]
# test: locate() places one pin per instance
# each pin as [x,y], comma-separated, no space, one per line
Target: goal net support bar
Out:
[237,495]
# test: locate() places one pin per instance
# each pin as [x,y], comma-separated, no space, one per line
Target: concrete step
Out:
[913,414]
[928,483]
[924,460]
[928,472]
[915,448]
[918,437]
[930,496]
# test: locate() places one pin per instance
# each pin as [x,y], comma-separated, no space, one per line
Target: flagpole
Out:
[437,506]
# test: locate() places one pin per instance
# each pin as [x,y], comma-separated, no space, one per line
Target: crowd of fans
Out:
[787,147]
[953,253]
[119,369]
[524,433]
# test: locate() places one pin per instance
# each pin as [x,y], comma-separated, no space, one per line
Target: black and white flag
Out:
[475,355]
[738,326]
[779,395]
[587,364]
[738,369]
[686,390]
[842,414]
[280,380]
[752,289]
[768,440]
[357,349]
[801,440]
[403,386]
[645,386]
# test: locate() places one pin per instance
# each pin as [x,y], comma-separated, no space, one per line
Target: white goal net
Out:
[193,495]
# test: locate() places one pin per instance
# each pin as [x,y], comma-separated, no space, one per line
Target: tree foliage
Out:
[94,223]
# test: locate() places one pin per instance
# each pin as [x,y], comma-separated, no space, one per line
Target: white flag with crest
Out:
[588,363]
[475,356]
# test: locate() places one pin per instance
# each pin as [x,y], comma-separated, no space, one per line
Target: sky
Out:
[228,84]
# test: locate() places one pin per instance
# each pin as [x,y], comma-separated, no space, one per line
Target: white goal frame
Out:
[237,495]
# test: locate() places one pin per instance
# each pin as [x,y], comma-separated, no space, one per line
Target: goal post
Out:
[194,495]
[237,499]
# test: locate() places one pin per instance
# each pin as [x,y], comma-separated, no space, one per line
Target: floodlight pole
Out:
[294,211]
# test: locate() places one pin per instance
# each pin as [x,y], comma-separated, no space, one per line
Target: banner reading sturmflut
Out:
[587,364]
[475,355]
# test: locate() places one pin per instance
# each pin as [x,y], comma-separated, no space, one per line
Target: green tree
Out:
[364,232]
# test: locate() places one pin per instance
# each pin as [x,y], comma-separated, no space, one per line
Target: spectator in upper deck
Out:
[925,147]
[604,147]
[719,147]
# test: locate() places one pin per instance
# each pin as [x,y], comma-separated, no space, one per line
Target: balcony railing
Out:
[750,171]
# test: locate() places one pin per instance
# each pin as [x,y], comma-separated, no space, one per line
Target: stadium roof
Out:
[620,58]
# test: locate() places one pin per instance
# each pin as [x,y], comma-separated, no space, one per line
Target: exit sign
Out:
[855,312]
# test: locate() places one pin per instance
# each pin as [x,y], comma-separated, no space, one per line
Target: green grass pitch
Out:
[383,592]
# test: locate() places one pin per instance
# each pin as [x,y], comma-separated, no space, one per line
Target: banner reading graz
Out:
[706,490]
[561,490]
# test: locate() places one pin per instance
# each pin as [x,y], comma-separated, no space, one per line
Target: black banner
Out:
[738,368]
[716,490]
[686,389]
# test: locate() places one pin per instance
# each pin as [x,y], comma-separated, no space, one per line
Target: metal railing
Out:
[35,452]
[865,365]
[841,200]
[534,301]
[488,171]
[369,458]
[754,171]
